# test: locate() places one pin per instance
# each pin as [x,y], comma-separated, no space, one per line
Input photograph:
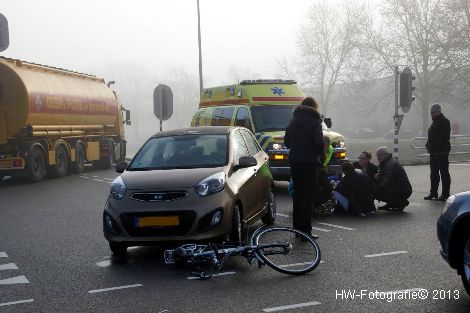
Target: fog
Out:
[141,44]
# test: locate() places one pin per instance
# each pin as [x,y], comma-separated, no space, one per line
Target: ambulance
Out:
[265,107]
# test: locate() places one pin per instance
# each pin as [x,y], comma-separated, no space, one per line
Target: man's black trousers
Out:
[440,164]
[305,179]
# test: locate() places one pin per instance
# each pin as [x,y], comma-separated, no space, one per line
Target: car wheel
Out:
[118,249]
[466,266]
[270,215]
[236,234]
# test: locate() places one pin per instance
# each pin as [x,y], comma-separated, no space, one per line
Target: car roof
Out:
[201,130]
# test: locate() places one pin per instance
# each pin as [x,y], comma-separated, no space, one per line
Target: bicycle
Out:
[284,249]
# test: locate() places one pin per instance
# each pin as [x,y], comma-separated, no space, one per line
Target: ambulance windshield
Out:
[272,117]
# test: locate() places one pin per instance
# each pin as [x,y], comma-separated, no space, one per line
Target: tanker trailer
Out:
[53,121]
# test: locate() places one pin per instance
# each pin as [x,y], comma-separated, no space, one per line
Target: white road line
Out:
[337,226]
[115,288]
[320,229]
[9,266]
[292,306]
[98,179]
[217,274]
[385,254]
[95,176]
[84,177]
[297,264]
[14,280]
[17,302]
[3,255]
[282,215]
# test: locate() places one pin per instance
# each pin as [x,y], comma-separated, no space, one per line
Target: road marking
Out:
[9,266]
[3,255]
[292,306]
[84,177]
[337,226]
[98,179]
[105,263]
[282,215]
[385,253]
[217,274]
[17,302]
[297,264]
[115,288]
[95,176]
[321,229]
[14,280]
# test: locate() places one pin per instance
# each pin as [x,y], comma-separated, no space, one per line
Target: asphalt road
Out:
[54,258]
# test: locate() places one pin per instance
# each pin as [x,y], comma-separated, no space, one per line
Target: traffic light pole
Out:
[397,117]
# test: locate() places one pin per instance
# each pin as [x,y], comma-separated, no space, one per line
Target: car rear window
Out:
[184,151]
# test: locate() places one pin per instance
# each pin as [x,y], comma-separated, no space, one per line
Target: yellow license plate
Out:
[278,157]
[157,221]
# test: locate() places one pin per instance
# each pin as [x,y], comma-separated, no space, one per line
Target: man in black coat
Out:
[438,146]
[304,138]
[357,189]
[392,185]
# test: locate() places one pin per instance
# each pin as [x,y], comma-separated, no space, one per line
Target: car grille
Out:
[186,220]
[159,196]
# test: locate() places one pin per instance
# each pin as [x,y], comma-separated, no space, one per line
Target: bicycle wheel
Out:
[296,253]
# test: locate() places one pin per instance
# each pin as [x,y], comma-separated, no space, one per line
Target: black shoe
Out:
[443,198]
[431,196]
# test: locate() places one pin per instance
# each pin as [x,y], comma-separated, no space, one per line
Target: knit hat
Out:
[436,108]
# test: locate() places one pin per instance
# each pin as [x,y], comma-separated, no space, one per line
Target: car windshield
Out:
[272,117]
[183,151]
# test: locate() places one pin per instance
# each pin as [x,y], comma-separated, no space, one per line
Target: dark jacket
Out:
[358,188]
[304,136]
[439,135]
[392,178]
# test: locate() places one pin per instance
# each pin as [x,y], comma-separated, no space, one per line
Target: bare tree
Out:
[326,42]
[417,33]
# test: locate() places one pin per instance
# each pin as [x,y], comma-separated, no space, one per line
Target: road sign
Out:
[4,38]
[163,102]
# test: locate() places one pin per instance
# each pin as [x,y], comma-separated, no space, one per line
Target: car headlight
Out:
[211,185]
[448,203]
[341,144]
[118,189]
[276,146]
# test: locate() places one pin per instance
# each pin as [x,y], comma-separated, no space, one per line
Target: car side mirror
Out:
[245,161]
[121,167]
[328,122]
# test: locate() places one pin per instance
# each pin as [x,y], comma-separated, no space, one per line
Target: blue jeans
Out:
[342,200]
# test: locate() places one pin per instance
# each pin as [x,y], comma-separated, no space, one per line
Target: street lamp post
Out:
[199,42]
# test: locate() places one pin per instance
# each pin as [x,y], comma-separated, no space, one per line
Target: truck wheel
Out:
[108,162]
[59,169]
[36,165]
[79,165]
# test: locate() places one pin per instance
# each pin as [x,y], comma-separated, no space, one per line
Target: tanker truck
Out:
[53,121]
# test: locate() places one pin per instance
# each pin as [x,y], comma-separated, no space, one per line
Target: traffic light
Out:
[406,89]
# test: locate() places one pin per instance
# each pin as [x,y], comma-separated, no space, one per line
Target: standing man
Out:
[438,146]
[304,138]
